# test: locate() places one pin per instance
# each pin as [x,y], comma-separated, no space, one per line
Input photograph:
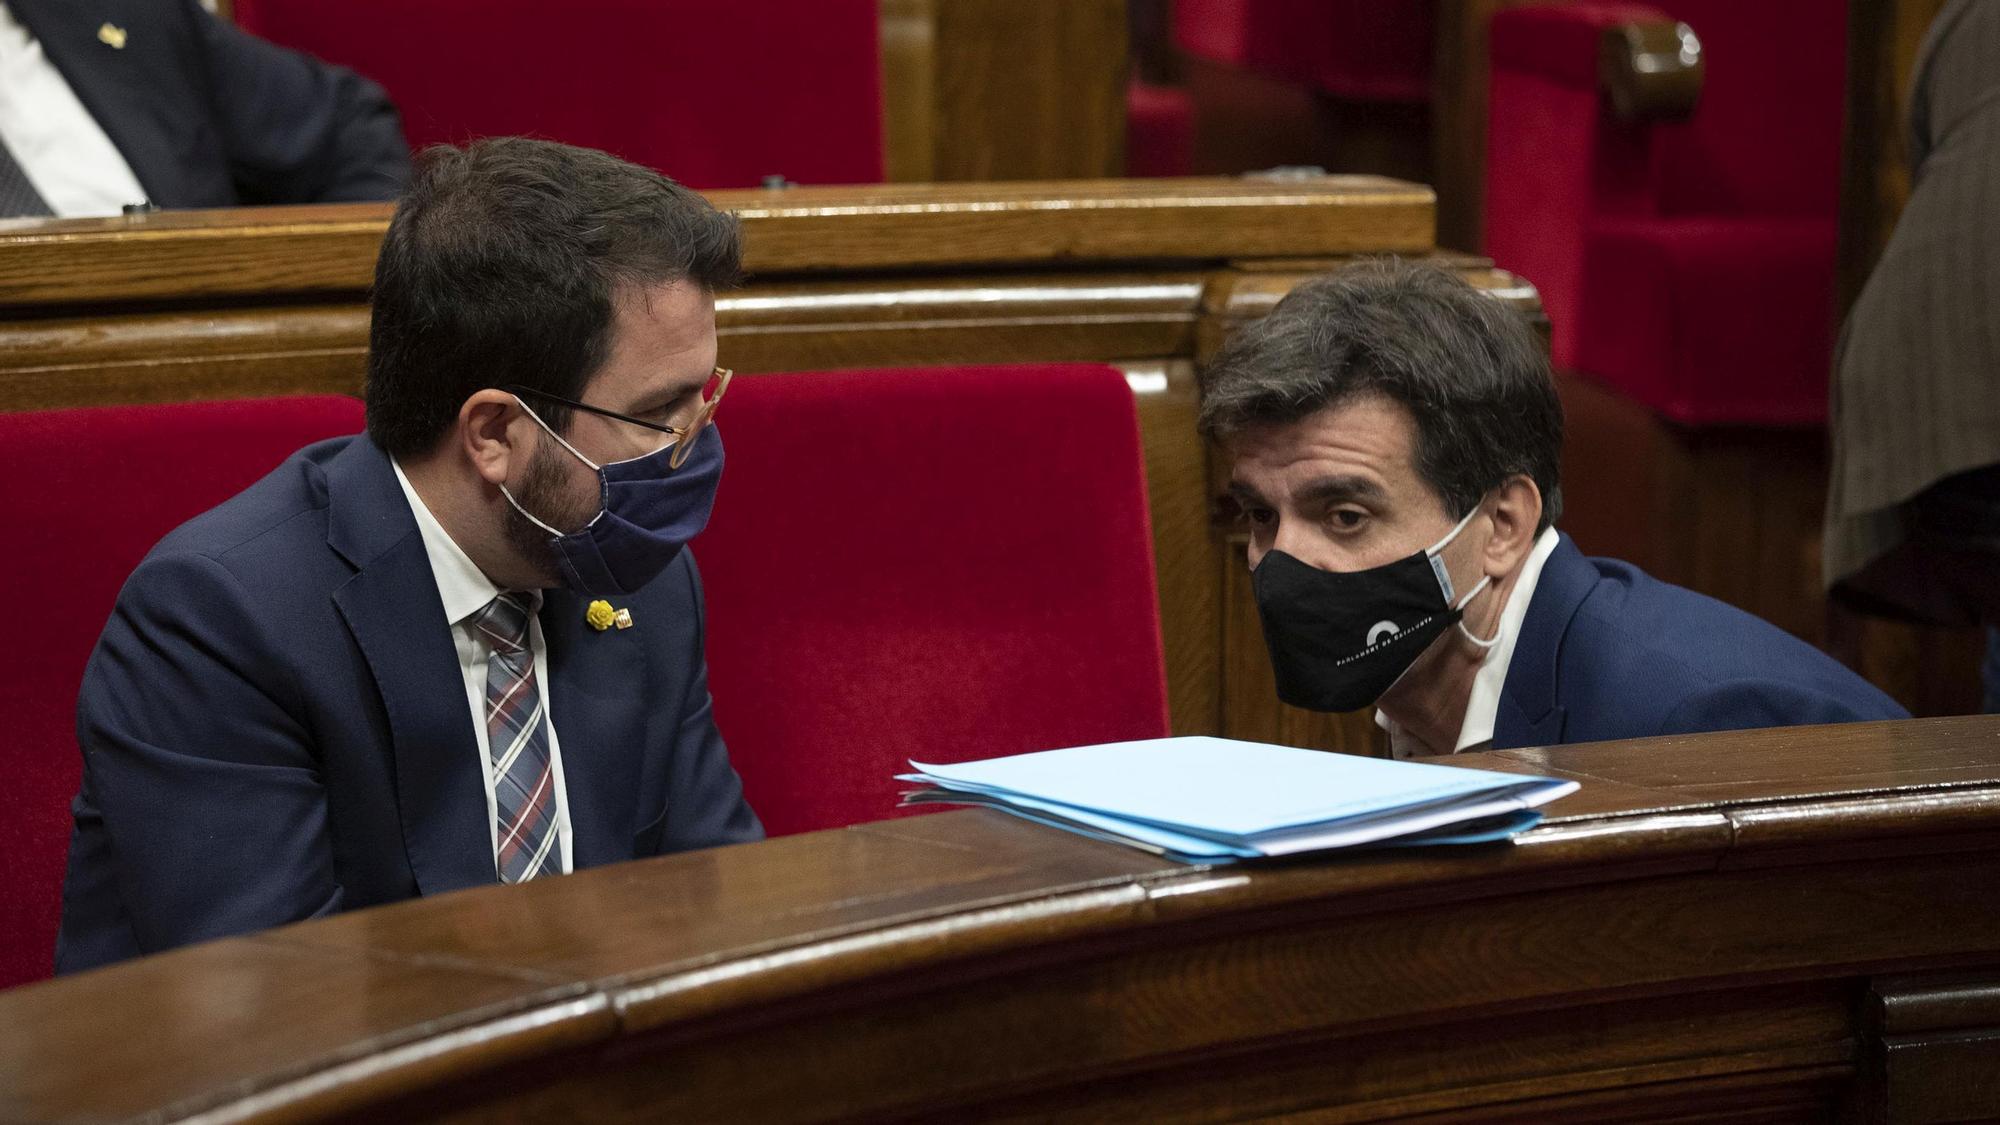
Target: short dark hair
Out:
[501,266]
[1471,371]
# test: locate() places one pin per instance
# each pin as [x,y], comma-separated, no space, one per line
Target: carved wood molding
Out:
[1687,936]
[259,254]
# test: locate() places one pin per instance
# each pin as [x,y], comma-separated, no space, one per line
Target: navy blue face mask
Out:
[649,510]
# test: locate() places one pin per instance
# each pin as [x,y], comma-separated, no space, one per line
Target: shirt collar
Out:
[462,586]
[1482,707]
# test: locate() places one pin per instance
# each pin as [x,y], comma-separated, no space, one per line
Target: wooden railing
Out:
[1761,925]
[1149,275]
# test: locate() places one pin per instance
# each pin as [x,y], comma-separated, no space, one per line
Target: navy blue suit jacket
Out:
[274,723]
[210,116]
[1608,652]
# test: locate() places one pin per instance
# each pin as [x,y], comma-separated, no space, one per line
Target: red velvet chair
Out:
[1159,130]
[88,494]
[930,564]
[1687,265]
[1365,50]
[713,94]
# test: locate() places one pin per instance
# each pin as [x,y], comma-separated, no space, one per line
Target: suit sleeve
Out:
[297,130]
[1752,704]
[204,780]
[705,803]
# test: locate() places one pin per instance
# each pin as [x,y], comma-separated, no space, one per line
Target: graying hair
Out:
[1471,371]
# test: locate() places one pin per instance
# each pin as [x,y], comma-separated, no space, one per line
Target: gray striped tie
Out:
[18,197]
[517,737]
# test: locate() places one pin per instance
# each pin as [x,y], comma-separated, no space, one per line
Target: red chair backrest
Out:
[88,493]
[1376,50]
[938,564]
[713,94]
[1766,137]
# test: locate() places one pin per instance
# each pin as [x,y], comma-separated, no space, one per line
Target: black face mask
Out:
[1339,640]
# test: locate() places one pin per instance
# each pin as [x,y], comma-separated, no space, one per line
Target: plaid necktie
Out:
[517,737]
[18,197]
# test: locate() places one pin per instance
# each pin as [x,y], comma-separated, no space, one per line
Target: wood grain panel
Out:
[1004,89]
[179,357]
[1613,965]
[1185,546]
[821,324]
[254,254]
[908,39]
[366,1013]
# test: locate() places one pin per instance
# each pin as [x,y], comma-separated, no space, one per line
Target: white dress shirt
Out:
[464,589]
[1483,706]
[55,140]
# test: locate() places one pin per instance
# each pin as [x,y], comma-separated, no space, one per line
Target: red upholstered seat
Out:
[1159,130]
[88,493]
[1689,265]
[931,564]
[714,94]
[1367,50]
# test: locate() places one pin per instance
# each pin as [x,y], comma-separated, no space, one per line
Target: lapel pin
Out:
[599,615]
[622,619]
[112,36]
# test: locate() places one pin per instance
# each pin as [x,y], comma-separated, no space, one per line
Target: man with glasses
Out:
[465,647]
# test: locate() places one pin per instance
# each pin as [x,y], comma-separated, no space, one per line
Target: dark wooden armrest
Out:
[1651,70]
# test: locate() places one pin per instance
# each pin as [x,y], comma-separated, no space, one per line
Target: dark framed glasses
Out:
[711,400]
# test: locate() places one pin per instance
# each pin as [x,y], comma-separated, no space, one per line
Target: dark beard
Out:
[541,492]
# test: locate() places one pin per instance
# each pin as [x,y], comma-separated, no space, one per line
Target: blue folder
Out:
[1215,800]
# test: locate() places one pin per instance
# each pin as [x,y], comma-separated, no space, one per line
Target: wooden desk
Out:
[1148,275]
[1750,926]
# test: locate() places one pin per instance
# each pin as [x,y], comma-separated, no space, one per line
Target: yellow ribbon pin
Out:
[112,36]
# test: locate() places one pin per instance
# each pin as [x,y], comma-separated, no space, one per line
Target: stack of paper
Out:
[1210,800]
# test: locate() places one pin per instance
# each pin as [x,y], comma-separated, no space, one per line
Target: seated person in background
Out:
[1396,438]
[379,672]
[133,101]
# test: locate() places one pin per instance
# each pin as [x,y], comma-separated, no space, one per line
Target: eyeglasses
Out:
[711,399]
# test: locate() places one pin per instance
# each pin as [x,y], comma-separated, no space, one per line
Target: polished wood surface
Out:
[1146,275]
[1003,89]
[1766,925]
[1651,69]
[331,248]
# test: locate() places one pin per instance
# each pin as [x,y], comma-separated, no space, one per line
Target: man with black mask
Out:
[1395,439]
[465,647]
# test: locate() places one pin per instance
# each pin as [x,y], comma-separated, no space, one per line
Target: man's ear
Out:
[492,435]
[1516,508]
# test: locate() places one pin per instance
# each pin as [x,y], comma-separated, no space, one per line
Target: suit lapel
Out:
[1531,709]
[597,701]
[138,93]
[391,606]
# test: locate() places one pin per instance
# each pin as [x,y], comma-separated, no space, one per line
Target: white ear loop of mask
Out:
[1484,581]
[530,516]
[594,466]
